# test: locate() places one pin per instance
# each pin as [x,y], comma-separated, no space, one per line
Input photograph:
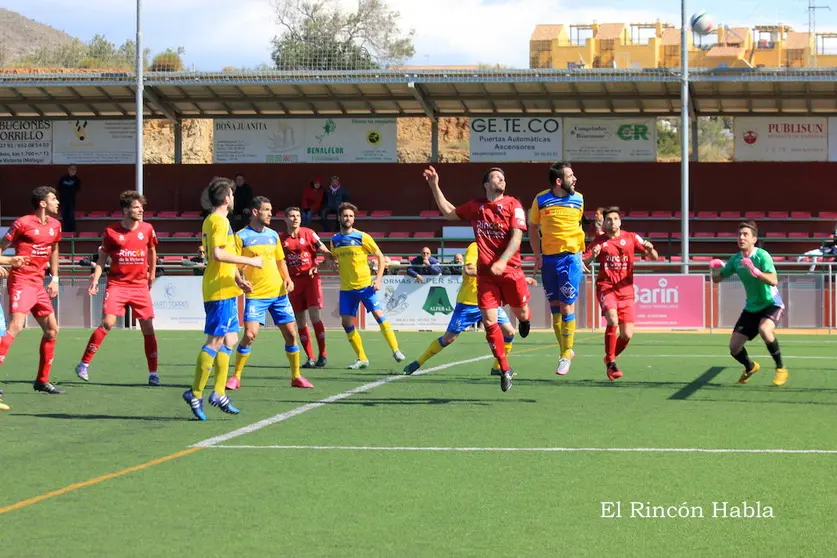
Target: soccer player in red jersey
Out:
[614,251]
[499,222]
[35,236]
[14,261]
[301,246]
[131,245]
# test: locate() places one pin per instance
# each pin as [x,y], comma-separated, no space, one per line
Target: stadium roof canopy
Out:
[433,93]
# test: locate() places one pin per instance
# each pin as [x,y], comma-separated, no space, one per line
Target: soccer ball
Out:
[703,23]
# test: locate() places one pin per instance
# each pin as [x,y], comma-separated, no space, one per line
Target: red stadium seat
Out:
[381,213]
[80,214]
[830,215]
[150,214]
[68,235]
[191,214]
[399,235]
[424,234]
[702,258]
[677,235]
[780,259]
[730,215]
[361,213]
[167,214]
[118,214]
[776,235]
[279,215]
[727,234]
[98,214]
[172,259]
[799,235]
[183,235]
[163,235]
[430,214]
[754,215]
[88,235]
[800,214]
[676,259]
[658,235]
[704,235]
[377,234]
[638,214]
[777,214]
[661,214]
[325,235]
[707,214]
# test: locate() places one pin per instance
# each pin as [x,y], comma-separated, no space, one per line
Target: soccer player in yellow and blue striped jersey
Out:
[466,314]
[221,289]
[557,241]
[268,291]
[351,247]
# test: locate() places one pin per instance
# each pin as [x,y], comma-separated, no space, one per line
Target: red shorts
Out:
[496,291]
[308,292]
[119,297]
[25,298]
[621,300]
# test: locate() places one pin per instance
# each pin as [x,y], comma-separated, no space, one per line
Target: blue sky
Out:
[218,33]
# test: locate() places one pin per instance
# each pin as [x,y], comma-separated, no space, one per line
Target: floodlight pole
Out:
[139,100]
[684,137]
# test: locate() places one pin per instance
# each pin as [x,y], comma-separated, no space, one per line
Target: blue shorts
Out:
[349,301]
[466,315]
[279,308]
[221,317]
[562,275]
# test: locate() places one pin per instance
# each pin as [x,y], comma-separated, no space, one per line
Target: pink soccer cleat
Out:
[233,383]
[301,382]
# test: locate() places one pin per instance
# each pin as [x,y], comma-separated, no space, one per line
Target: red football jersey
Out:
[29,237]
[493,223]
[616,259]
[128,251]
[300,251]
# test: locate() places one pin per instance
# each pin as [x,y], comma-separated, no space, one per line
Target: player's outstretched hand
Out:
[431,176]
[377,285]
[596,250]
[52,289]
[289,285]
[716,264]
[246,286]
[498,267]
[93,288]
[257,262]
[3,272]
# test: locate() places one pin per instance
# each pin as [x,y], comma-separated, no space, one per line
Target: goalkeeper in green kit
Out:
[764,307]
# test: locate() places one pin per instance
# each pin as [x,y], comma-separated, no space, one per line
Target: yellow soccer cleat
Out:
[3,406]
[745,376]
[780,377]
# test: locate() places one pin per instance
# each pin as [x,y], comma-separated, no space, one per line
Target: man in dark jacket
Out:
[240,217]
[68,187]
[334,196]
[424,265]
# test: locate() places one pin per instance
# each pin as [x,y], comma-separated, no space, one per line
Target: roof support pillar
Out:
[178,141]
[434,141]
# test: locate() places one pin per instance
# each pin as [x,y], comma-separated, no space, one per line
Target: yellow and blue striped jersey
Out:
[218,278]
[351,251]
[267,281]
[560,222]
[468,289]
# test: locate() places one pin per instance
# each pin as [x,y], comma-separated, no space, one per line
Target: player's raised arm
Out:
[448,209]
[648,249]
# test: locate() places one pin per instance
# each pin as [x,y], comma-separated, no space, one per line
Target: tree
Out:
[715,140]
[168,61]
[318,35]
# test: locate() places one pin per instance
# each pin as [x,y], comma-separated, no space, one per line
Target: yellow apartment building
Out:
[657,45]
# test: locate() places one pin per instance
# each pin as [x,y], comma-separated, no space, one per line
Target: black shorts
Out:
[748,322]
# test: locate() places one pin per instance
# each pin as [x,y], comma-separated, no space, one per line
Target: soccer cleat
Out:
[523,328]
[195,403]
[153,379]
[398,356]
[321,362]
[359,364]
[412,367]
[309,363]
[301,383]
[3,406]
[223,402]
[495,371]
[233,383]
[506,379]
[81,371]
[780,377]
[46,387]
[613,372]
[746,375]
[564,364]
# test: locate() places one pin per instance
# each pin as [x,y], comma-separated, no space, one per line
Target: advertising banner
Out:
[410,305]
[498,139]
[92,142]
[178,303]
[670,301]
[25,142]
[781,138]
[610,139]
[351,140]
[259,140]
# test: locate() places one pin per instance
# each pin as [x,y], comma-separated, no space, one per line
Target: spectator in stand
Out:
[243,199]
[312,201]
[335,195]
[456,267]
[68,187]
[197,263]
[422,265]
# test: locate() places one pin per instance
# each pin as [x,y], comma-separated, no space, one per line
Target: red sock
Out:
[151,352]
[494,335]
[621,343]
[93,344]
[305,340]
[47,355]
[5,343]
[610,343]
[319,331]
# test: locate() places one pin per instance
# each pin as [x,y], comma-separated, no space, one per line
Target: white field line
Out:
[719,355]
[281,417]
[533,450]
